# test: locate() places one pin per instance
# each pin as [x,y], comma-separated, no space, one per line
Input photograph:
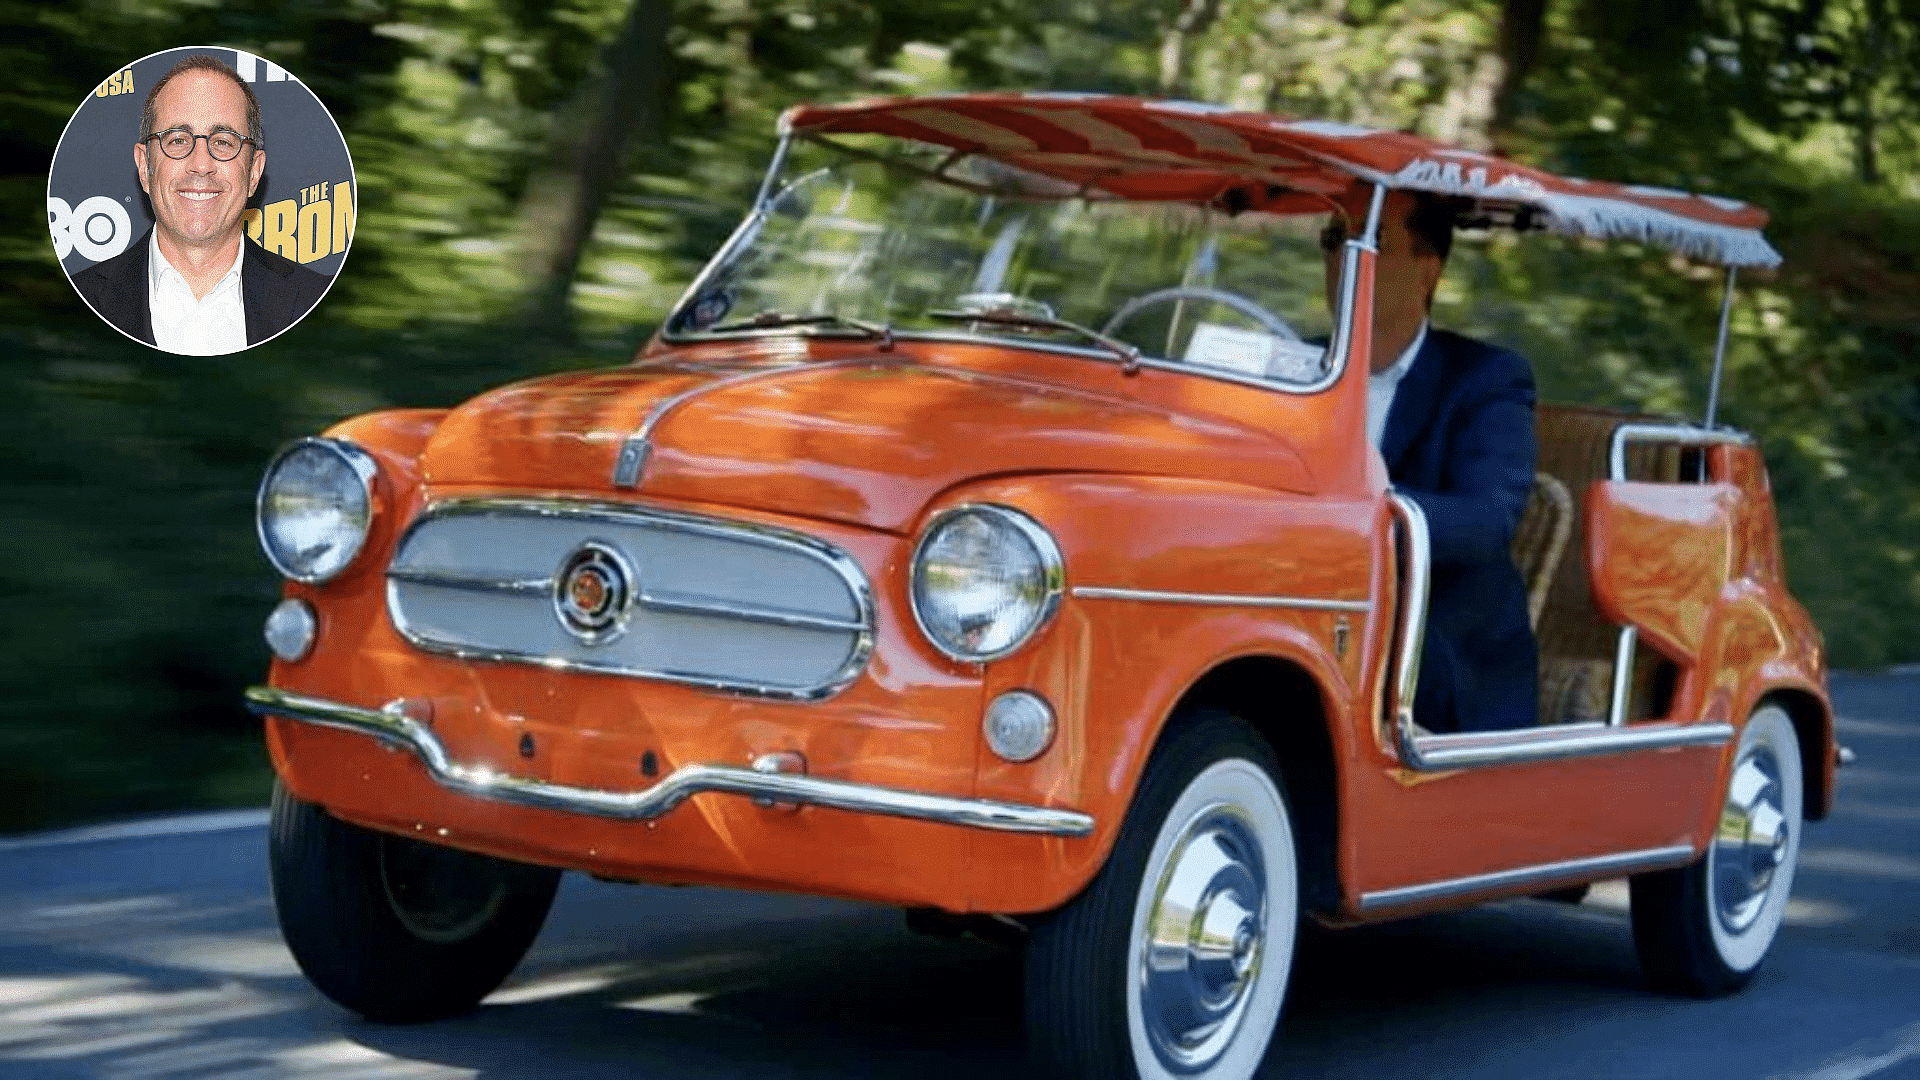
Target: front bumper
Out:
[394,727]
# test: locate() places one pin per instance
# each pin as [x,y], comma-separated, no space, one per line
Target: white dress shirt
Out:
[1381,387]
[208,326]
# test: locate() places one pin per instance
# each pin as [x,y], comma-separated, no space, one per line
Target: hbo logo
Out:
[98,228]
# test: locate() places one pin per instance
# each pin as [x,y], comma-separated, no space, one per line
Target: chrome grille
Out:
[713,603]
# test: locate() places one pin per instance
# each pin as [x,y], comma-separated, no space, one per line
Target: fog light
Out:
[290,629]
[1019,725]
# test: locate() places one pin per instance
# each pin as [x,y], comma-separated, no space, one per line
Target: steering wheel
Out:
[1194,292]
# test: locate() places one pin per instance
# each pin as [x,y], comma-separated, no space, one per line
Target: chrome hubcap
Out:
[1204,937]
[1752,841]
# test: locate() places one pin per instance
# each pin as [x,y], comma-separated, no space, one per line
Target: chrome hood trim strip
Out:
[630,467]
[394,727]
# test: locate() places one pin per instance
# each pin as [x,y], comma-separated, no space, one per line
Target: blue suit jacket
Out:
[1459,442]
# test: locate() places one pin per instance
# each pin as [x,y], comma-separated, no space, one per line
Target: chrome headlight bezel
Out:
[360,469]
[1048,563]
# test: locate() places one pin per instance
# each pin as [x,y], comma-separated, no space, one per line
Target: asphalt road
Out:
[156,956]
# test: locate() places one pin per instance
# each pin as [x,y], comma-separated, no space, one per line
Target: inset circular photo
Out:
[201,200]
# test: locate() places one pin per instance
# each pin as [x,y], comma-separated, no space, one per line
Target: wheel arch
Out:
[1813,728]
[1284,703]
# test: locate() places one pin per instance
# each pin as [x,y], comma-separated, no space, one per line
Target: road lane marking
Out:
[1857,1063]
[1855,861]
[178,825]
[1898,729]
[682,1003]
[1613,896]
[1878,811]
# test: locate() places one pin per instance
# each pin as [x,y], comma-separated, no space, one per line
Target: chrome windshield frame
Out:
[1338,347]
[742,234]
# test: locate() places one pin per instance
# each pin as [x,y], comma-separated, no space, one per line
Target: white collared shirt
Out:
[207,326]
[1381,387]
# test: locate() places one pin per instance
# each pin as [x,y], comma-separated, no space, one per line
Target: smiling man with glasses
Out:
[192,285]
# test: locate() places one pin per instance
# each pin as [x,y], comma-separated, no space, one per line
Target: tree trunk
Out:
[1522,29]
[1879,30]
[629,99]
[1194,19]
[1866,152]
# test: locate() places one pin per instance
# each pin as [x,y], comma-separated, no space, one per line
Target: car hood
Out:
[866,441]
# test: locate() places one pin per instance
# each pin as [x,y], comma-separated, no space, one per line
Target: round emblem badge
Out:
[593,593]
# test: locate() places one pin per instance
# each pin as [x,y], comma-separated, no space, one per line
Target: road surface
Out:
[151,952]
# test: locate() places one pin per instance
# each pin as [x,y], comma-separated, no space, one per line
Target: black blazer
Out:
[274,291]
[1459,442]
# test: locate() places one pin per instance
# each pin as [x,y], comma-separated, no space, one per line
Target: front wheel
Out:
[1174,960]
[394,929]
[1703,929]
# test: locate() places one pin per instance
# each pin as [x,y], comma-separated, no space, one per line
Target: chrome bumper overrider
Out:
[398,729]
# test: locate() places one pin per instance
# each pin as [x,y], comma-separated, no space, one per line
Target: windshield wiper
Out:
[770,320]
[1128,355]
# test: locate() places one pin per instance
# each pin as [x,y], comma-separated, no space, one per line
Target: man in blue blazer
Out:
[1453,419]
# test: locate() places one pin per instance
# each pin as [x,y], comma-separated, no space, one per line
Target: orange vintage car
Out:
[993,530]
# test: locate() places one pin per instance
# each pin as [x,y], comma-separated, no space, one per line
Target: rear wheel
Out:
[1703,929]
[1174,960]
[394,929]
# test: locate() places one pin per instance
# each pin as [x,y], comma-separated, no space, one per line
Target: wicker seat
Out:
[1541,540]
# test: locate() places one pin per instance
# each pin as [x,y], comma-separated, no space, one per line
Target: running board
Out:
[1529,877]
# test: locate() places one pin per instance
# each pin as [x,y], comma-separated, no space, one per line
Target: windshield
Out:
[926,242]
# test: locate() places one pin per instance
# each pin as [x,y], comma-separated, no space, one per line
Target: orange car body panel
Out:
[1116,668]
[1156,481]
[1659,556]
[1697,568]
[1172,487]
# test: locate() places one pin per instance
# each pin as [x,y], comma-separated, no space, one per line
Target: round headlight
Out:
[984,579]
[315,505]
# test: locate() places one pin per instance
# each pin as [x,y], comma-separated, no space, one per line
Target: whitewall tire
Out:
[1174,961]
[1703,929]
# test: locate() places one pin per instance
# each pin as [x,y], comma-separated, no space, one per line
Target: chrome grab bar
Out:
[1684,434]
[1412,621]
[393,726]
[1623,650]
[1437,753]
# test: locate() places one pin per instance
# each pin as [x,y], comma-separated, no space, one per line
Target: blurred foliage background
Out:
[538,180]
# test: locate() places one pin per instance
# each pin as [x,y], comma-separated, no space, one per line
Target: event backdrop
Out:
[303,208]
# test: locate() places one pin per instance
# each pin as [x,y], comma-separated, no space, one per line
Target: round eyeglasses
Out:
[177,143]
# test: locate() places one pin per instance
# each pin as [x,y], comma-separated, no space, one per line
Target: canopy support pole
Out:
[1720,349]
